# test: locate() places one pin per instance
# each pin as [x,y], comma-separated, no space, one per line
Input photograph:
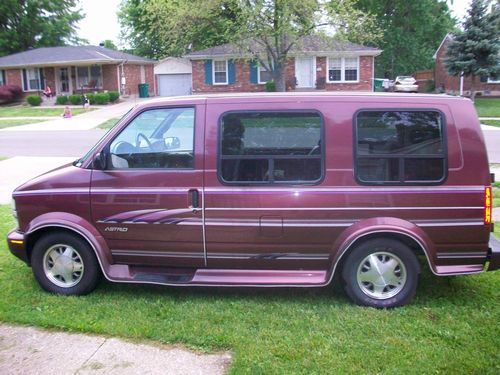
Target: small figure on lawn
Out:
[86,102]
[67,112]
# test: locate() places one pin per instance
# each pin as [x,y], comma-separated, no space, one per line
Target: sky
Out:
[101,23]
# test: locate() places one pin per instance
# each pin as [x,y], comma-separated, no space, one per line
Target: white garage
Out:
[173,77]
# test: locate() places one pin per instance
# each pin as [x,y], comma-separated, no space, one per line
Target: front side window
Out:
[345,69]
[400,147]
[271,147]
[89,76]
[264,75]
[2,77]
[158,138]
[33,79]
[220,71]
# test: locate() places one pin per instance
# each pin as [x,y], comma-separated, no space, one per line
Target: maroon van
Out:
[268,190]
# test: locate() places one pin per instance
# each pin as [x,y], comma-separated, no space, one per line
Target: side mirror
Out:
[172,142]
[99,161]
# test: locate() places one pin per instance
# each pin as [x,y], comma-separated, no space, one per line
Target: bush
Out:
[101,98]
[113,96]
[270,86]
[10,93]
[62,99]
[34,100]
[75,99]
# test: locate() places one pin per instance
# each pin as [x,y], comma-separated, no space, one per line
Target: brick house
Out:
[76,69]
[451,84]
[314,64]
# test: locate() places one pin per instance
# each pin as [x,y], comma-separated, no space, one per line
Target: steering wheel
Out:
[138,141]
[314,150]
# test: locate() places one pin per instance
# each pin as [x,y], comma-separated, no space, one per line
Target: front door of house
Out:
[63,81]
[304,71]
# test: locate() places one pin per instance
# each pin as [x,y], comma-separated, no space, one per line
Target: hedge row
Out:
[97,98]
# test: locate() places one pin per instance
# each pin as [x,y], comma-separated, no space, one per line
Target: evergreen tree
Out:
[475,51]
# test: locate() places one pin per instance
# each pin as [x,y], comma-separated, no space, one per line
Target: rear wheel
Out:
[65,264]
[381,273]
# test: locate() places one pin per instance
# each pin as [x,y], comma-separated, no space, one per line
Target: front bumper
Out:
[17,245]
[494,253]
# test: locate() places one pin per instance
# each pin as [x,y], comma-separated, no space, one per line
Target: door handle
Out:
[195,199]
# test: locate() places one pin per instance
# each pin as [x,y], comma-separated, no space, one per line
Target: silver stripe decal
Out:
[338,208]
[461,255]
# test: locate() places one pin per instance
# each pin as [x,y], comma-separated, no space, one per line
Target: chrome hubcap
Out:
[381,275]
[63,265]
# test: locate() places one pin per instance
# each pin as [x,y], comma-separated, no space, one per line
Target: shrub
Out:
[101,98]
[270,86]
[17,92]
[113,96]
[10,93]
[75,99]
[34,100]
[62,99]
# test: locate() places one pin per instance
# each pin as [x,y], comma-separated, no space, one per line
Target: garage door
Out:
[174,84]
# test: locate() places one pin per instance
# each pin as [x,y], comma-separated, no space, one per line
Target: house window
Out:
[491,80]
[89,76]
[33,79]
[2,77]
[343,69]
[400,147]
[264,75]
[220,72]
[271,147]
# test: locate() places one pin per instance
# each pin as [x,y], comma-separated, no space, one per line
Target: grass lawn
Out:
[109,124]
[491,122]
[22,111]
[488,107]
[3,158]
[10,123]
[450,328]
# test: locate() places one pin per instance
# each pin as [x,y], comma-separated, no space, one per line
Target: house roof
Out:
[308,45]
[446,37]
[75,55]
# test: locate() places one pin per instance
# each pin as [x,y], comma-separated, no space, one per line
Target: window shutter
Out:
[231,72]
[208,72]
[25,80]
[254,73]
[42,79]
[4,81]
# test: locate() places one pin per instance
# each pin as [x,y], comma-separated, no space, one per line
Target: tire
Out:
[65,264]
[381,273]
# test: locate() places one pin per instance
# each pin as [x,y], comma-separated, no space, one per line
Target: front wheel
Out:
[381,273]
[65,264]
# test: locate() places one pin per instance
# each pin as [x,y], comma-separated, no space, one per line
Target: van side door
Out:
[146,203]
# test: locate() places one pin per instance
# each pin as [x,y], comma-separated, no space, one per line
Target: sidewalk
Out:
[27,350]
[84,121]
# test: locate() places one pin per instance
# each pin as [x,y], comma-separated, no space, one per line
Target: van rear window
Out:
[271,147]
[400,147]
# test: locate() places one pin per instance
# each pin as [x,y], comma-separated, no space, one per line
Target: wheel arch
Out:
[412,236]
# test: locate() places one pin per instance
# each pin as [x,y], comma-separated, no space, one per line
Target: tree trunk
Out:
[279,78]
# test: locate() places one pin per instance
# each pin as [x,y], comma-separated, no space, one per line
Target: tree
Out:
[475,51]
[271,29]
[108,43]
[28,24]
[413,31]
[159,28]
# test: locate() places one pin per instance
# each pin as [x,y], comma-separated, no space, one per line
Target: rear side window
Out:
[271,147]
[400,147]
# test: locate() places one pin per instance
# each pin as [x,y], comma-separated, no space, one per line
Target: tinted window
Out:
[158,138]
[270,147]
[400,147]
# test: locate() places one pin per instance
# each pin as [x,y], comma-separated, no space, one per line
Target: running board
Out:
[215,277]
